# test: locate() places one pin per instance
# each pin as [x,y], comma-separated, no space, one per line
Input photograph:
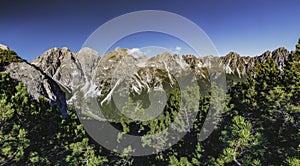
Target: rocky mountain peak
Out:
[190,59]
[235,64]
[65,49]
[85,51]
[59,71]
[62,65]
[54,55]
[116,55]
[233,58]
[280,55]
[88,60]
[233,55]
[36,81]
[98,76]
[281,51]
[4,47]
[166,55]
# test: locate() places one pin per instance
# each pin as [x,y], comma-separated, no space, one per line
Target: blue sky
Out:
[153,43]
[247,27]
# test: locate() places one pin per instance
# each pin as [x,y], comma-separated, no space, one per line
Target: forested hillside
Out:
[260,125]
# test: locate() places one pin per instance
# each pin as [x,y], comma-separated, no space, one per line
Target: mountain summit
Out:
[60,71]
[91,75]
[3,47]
[37,82]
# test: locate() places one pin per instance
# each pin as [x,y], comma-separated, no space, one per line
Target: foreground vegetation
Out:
[260,126]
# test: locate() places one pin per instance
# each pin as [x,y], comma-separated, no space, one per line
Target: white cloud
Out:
[178,49]
[136,52]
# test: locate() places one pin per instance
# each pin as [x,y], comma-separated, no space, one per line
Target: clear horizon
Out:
[250,28]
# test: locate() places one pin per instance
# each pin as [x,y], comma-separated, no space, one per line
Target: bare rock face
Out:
[38,84]
[238,65]
[88,71]
[62,66]
[3,47]
[88,60]
[280,55]
[234,64]
[59,71]
[85,74]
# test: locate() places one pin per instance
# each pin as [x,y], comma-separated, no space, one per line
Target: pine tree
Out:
[241,143]
[270,101]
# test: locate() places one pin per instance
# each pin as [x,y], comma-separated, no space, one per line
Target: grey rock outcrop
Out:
[234,64]
[62,66]
[88,74]
[88,60]
[87,70]
[280,55]
[38,84]
[3,47]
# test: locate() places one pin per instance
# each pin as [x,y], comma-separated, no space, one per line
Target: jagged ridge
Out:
[98,76]
[86,71]
[37,82]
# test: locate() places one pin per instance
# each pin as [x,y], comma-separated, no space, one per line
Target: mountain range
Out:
[61,76]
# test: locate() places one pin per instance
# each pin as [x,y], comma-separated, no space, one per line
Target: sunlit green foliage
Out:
[8,56]
[33,131]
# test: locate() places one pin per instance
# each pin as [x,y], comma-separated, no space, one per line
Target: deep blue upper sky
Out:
[247,27]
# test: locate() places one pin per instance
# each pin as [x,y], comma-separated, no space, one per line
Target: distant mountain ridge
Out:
[60,71]
[52,61]
[85,74]
[241,65]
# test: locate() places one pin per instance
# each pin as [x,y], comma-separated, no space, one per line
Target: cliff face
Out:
[235,64]
[91,75]
[3,47]
[59,71]
[37,82]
